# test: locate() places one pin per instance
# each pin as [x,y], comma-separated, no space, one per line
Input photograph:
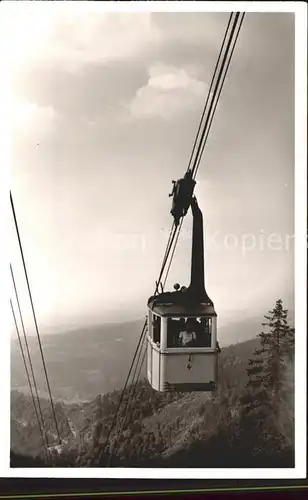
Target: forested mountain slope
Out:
[162,429]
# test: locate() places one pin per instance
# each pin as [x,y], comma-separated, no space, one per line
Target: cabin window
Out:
[173,332]
[156,328]
[189,332]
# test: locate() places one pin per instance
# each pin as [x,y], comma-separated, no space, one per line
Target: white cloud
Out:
[168,92]
[27,116]
[72,35]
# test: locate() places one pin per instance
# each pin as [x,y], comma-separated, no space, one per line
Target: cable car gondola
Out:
[182,348]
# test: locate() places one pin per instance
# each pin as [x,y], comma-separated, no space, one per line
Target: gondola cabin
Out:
[172,365]
[182,349]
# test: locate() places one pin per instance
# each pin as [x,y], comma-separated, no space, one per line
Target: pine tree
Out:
[98,426]
[266,371]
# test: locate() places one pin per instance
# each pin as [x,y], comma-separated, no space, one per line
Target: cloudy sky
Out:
[105,111]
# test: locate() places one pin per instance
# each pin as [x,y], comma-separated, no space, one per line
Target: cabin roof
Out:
[181,304]
[170,309]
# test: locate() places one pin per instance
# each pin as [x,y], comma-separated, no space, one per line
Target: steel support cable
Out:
[210,122]
[29,355]
[215,91]
[218,97]
[206,103]
[166,253]
[194,146]
[199,129]
[45,445]
[205,106]
[173,252]
[209,92]
[169,245]
[35,321]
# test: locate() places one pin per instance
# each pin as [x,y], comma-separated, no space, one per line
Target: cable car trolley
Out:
[182,347]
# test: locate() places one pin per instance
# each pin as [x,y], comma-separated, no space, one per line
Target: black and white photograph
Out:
[152,229]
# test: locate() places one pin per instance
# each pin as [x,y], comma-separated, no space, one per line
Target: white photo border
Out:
[299,471]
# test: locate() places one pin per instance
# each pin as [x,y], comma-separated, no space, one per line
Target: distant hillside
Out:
[83,363]
[158,429]
[80,363]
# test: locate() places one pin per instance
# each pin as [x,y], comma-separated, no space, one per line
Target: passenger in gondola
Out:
[181,330]
[188,336]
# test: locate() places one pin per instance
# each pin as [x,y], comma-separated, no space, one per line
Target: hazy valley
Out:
[89,361]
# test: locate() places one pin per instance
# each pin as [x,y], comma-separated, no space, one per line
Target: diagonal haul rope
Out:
[34,317]
[41,427]
[29,355]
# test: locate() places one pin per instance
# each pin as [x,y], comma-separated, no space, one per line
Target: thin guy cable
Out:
[29,355]
[45,448]
[132,398]
[140,368]
[131,393]
[136,366]
[134,387]
[124,388]
[34,317]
